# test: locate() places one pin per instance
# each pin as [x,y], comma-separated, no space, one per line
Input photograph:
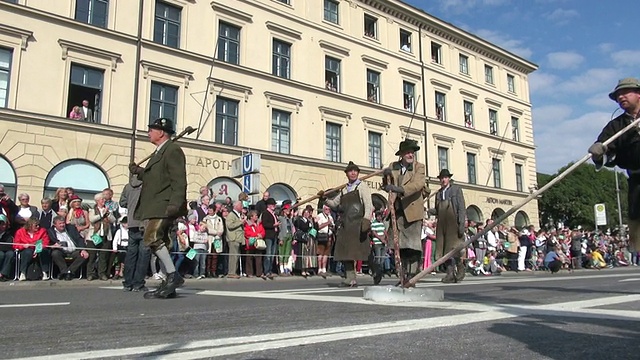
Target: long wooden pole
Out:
[502,218]
[337,188]
[396,236]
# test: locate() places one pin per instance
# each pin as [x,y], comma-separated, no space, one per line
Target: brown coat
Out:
[413,184]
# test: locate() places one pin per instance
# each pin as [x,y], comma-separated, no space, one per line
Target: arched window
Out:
[522,219]
[496,214]
[86,178]
[474,214]
[280,192]
[8,178]
[223,187]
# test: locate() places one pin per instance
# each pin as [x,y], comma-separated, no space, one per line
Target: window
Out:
[468,114]
[436,53]
[370,27]
[84,177]
[11,1]
[92,12]
[441,106]
[5,74]
[511,84]
[408,89]
[373,86]
[405,41]
[375,150]
[464,64]
[333,142]
[519,186]
[85,90]
[281,59]
[471,168]
[331,14]
[226,121]
[443,158]
[493,122]
[284,1]
[166,29]
[488,74]
[515,128]
[332,74]
[280,130]
[228,43]
[164,102]
[495,165]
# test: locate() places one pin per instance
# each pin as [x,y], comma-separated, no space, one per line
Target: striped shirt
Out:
[377,228]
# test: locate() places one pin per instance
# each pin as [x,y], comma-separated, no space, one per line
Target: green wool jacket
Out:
[164,183]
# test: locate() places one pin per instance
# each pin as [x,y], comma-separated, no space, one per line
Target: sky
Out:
[582,48]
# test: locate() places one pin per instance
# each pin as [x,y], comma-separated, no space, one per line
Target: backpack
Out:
[34,271]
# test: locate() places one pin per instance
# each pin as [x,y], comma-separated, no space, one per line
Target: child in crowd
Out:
[120,243]
[201,244]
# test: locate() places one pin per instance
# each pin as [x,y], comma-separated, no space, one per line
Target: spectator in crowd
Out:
[261,205]
[215,229]
[271,227]
[136,260]
[6,249]
[326,227]
[524,249]
[66,241]
[25,242]
[553,261]
[201,244]
[25,210]
[253,231]
[100,239]
[78,217]
[9,209]
[60,200]
[202,210]
[512,248]
[181,245]
[119,247]
[46,214]
[235,237]
[76,113]
[303,225]
[285,241]
[378,241]
[204,191]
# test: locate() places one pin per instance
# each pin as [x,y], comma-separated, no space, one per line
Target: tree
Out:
[571,200]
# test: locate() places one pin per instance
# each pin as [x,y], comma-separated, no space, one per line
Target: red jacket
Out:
[255,230]
[22,237]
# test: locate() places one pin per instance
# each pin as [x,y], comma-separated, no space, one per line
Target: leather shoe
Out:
[141,288]
[68,276]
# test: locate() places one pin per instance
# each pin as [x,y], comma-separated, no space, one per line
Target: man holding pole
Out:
[163,199]
[356,208]
[408,183]
[451,213]
[624,152]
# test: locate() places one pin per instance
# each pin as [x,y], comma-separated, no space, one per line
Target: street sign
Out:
[601,214]
[251,183]
[247,164]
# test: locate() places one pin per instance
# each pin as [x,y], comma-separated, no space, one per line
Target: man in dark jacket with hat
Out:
[162,200]
[451,212]
[356,209]
[624,152]
[408,184]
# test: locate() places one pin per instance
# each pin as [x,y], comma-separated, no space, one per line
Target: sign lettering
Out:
[214,163]
[492,200]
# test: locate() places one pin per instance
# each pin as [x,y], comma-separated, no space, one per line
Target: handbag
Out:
[260,244]
[301,236]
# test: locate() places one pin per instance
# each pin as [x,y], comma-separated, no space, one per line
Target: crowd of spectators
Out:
[66,238]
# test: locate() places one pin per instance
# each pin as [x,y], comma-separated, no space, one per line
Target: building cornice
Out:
[24,35]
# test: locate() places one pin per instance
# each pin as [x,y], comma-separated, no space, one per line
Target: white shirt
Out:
[121,238]
[25,213]
[323,219]
[65,239]
[85,110]
[492,239]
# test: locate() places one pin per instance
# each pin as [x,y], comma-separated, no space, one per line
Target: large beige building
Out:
[307,84]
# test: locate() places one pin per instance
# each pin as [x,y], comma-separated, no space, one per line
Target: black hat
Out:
[163,124]
[351,166]
[445,173]
[270,201]
[407,145]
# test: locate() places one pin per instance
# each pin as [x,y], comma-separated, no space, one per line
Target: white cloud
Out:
[513,45]
[564,60]
[541,83]
[561,16]
[626,57]
[561,140]
[591,81]
[606,47]
[462,6]
[602,101]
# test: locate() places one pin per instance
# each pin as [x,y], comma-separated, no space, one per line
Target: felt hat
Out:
[74,198]
[270,201]
[351,166]
[406,146]
[163,124]
[626,83]
[444,173]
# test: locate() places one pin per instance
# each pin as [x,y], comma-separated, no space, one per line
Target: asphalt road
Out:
[580,315]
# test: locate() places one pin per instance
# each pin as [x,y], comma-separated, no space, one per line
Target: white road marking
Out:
[259,342]
[626,280]
[34,305]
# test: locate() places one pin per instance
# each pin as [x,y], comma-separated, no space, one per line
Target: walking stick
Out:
[337,188]
[396,239]
[187,131]
[504,216]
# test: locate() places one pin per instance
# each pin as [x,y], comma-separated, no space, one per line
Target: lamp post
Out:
[619,205]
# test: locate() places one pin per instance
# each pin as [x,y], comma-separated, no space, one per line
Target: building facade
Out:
[307,84]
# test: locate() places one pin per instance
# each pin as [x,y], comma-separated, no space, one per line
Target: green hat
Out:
[626,83]
[163,124]
[406,146]
[351,166]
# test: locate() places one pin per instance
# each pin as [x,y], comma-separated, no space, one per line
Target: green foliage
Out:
[571,200]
